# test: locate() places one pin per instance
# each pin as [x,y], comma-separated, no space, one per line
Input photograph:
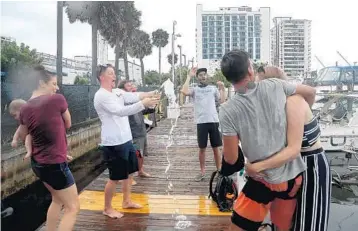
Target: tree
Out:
[218,76]
[152,78]
[88,12]
[256,64]
[169,57]
[140,47]
[80,80]
[160,39]
[123,19]
[14,56]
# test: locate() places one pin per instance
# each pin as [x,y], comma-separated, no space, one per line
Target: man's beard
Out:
[203,84]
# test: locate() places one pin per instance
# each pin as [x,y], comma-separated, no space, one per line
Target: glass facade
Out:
[221,33]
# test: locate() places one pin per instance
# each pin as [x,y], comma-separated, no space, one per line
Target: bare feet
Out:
[143,174]
[131,205]
[112,213]
[134,182]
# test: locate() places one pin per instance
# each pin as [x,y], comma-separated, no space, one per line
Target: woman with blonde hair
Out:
[313,201]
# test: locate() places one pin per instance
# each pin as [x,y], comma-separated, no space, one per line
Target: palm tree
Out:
[169,57]
[118,29]
[160,40]
[91,13]
[140,47]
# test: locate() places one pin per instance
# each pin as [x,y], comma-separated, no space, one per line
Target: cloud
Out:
[34,23]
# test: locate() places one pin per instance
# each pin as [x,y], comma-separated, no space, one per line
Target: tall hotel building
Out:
[291,45]
[228,28]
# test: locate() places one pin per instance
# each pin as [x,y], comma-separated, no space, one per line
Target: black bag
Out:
[225,192]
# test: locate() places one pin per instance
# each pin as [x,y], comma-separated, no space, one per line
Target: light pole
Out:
[180,63]
[185,64]
[174,36]
[59,42]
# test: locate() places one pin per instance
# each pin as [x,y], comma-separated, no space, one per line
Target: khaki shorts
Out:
[140,144]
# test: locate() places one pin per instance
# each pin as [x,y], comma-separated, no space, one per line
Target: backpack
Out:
[225,192]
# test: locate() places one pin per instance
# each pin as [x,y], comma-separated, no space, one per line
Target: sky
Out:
[334,26]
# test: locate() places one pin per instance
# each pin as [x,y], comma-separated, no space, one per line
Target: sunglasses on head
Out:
[101,68]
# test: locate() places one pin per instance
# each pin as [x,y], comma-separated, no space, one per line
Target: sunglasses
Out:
[102,68]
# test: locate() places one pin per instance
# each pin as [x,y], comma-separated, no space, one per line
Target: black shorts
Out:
[211,129]
[58,176]
[121,160]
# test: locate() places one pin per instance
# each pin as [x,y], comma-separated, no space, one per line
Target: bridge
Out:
[171,201]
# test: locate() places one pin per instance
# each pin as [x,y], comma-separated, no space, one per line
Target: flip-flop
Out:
[119,215]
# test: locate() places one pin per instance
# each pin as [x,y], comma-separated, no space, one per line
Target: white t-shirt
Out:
[114,115]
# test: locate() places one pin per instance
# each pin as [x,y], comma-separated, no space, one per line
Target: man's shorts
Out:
[121,160]
[58,176]
[257,198]
[140,144]
[211,129]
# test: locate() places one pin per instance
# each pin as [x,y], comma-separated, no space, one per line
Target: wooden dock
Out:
[184,206]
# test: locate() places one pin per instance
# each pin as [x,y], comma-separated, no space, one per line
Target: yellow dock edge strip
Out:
[154,204]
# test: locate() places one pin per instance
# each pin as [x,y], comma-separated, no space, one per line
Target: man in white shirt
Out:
[116,137]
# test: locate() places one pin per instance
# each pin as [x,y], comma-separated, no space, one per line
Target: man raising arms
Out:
[116,137]
[206,116]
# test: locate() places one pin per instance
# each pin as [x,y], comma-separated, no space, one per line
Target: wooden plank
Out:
[158,204]
[88,220]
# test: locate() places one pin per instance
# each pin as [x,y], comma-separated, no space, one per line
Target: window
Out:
[219,56]
[227,23]
[227,34]
[227,40]
[204,23]
[212,56]
[205,56]
[219,17]
[227,28]
[234,17]
[219,45]
[250,18]
[227,18]
[204,18]
[211,18]
[211,23]
[219,23]
[211,45]
[219,39]
[212,50]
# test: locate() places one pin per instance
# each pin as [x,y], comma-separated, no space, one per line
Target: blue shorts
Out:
[121,160]
[58,176]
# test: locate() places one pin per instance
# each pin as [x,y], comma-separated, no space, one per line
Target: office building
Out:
[291,45]
[228,28]
[134,71]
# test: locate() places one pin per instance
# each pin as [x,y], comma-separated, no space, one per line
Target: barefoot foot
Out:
[112,213]
[143,174]
[134,182]
[131,205]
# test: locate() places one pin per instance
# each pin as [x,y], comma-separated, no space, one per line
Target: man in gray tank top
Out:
[256,116]
[206,99]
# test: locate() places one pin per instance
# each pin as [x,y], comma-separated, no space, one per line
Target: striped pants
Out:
[313,202]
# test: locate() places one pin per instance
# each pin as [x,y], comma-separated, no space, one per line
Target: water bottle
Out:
[240,181]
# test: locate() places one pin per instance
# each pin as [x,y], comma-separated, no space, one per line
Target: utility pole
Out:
[173,46]
[59,42]
[185,64]
[180,63]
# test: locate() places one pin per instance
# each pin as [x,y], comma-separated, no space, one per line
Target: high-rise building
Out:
[228,28]
[291,45]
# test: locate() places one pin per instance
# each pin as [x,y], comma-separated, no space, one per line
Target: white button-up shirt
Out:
[114,114]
